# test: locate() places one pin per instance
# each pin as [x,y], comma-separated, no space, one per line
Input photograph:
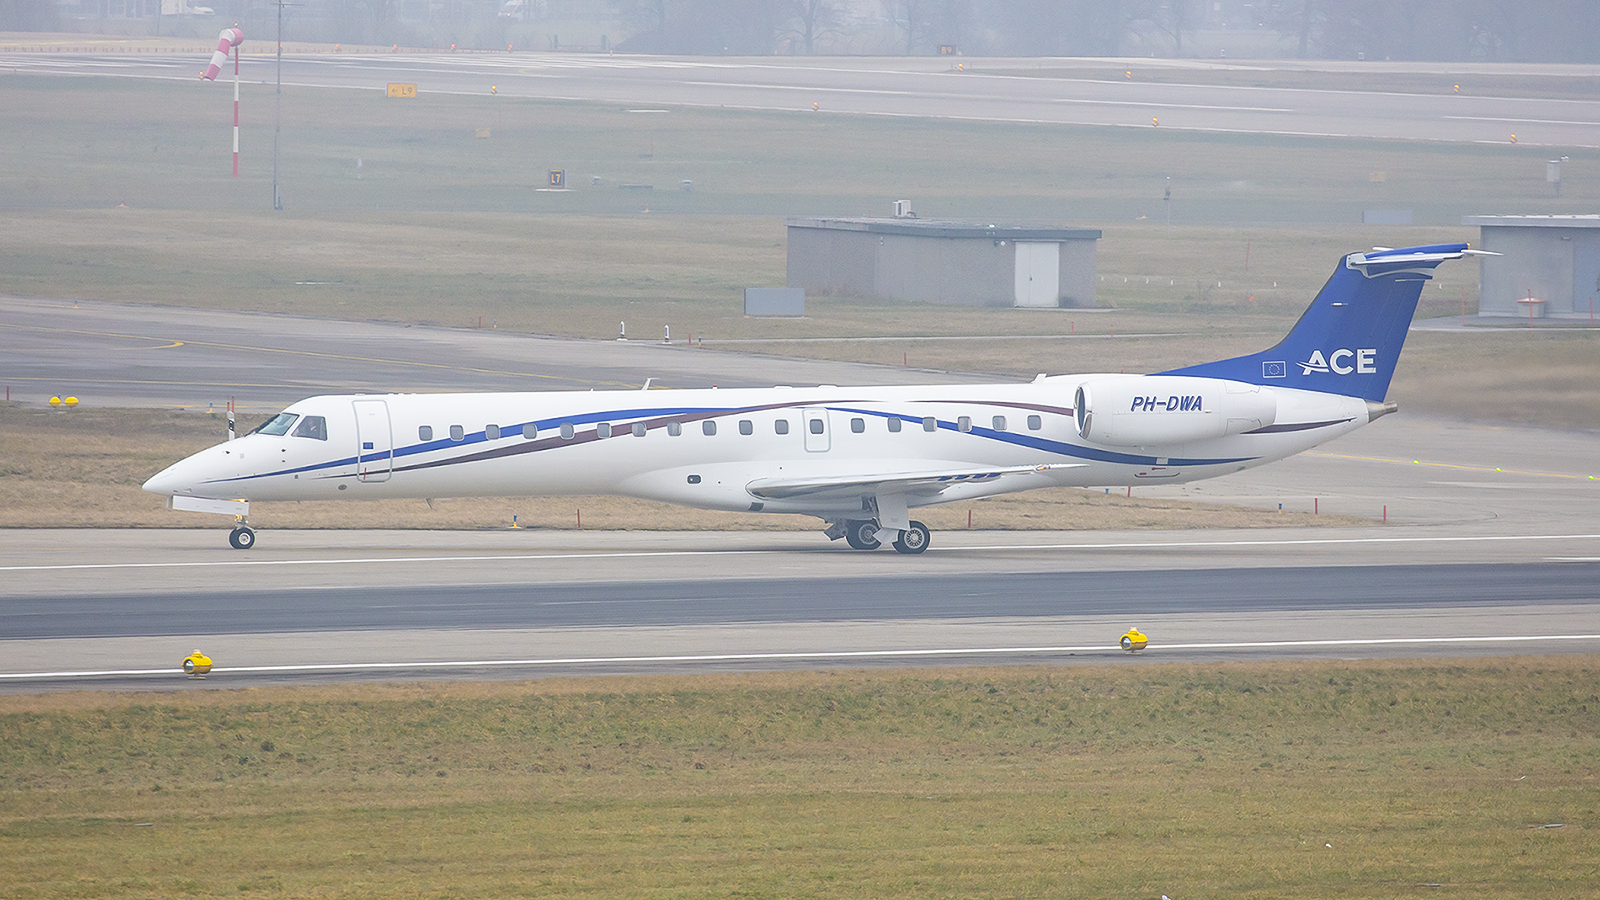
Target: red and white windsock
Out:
[231,38]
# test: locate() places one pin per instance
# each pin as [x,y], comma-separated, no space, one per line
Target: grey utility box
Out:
[1555,260]
[774,302]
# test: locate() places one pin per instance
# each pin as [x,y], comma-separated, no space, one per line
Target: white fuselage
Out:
[819,449]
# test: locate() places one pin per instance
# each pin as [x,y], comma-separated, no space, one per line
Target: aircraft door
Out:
[374,440]
[815,423]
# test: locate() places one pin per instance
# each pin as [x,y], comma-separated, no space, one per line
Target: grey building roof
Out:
[938,229]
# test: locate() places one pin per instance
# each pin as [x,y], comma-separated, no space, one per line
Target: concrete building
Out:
[1555,260]
[944,262]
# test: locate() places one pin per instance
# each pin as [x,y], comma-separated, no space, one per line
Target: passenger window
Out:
[816,426]
[530,431]
[567,431]
[894,424]
[964,424]
[424,432]
[999,423]
[929,423]
[315,427]
[747,427]
[457,433]
[858,425]
[278,425]
[603,430]
[1035,423]
[781,426]
[638,429]
[708,427]
[674,428]
[492,432]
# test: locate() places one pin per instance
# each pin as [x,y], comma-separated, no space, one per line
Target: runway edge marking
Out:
[513,557]
[796,656]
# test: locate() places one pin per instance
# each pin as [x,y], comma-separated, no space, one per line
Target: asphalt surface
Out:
[139,356]
[1131,595]
[982,90]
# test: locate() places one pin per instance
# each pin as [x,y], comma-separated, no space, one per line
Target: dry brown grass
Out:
[1316,779]
[83,468]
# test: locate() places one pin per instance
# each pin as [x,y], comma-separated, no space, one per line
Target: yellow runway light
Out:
[196,664]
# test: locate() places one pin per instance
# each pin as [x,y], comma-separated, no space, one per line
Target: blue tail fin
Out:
[1349,339]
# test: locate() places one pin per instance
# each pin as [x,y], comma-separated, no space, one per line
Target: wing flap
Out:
[925,484]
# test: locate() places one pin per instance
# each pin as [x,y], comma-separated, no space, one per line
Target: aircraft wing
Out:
[930,483]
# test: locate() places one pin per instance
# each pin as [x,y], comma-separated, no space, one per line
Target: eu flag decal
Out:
[1274,369]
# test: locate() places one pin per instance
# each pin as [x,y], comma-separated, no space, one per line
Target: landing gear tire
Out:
[242,538]
[862,535]
[913,540]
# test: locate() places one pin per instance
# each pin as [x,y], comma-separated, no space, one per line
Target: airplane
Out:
[859,458]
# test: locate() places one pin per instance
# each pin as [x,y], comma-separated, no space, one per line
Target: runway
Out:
[1484,540]
[119,610]
[1009,90]
[757,601]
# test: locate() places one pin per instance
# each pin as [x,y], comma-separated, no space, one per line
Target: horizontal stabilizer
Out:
[1427,257]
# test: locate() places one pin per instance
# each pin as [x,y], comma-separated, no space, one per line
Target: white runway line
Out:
[798,656]
[642,554]
[1523,121]
[1086,102]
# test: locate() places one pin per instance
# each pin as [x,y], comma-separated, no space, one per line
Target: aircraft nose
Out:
[202,474]
[167,481]
[186,476]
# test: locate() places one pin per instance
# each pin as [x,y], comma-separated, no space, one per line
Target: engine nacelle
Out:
[1150,410]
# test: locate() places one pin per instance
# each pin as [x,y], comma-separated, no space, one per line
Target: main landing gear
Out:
[913,540]
[242,537]
[862,534]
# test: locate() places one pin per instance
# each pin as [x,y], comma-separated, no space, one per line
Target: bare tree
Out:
[1299,18]
[1170,17]
[909,16]
[949,21]
[1060,27]
[810,19]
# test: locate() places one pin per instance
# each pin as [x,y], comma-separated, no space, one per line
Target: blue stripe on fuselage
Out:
[1057,447]
[1022,440]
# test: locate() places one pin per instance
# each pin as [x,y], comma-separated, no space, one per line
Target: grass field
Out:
[1317,779]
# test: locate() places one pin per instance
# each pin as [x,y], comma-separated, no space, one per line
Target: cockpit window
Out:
[277,425]
[312,427]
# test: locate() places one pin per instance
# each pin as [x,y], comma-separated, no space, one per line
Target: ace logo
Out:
[1338,362]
